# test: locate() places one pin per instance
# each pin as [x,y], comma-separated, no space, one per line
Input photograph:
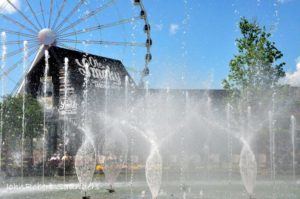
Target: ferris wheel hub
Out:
[47,37]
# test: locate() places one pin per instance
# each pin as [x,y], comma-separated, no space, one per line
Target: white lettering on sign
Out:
[97,70]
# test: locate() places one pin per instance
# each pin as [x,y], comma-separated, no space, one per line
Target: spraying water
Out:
[207,145]
[272,149]
[182,147]
[293,130]
[85,93]
[249,118]
[25,60]
[131,165]
[126,92]
[115,152]
[229,145]
[46,71]
[85,160]
[154,171]
[3,64]
[85,163]
[126,110]
[248,168]
[66,79]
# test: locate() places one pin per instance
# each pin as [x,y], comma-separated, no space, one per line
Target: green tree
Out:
[256,69]
[254,87]
[12,108]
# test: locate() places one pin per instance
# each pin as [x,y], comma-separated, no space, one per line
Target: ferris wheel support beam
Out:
[23,15]
[20,85]
[91,14]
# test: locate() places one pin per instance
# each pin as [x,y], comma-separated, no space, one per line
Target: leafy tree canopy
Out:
[13,114]
[257,67]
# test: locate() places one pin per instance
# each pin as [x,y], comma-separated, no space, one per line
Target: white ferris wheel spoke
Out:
[33,13]
[17,23]
[87,16]
[8,77]
[17,33]
[16,42]
[19,51]
[74,10]
[55,24]
[51,12]
[16,64]
[112,43]
[99,27]
[23,15]
[59,13]
[43,15]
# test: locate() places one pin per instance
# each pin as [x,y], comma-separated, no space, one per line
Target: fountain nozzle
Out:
[111,189]
[85,196]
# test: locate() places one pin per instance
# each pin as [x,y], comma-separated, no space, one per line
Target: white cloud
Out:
[6,8]
[173,29]
[159,27]
[293,79]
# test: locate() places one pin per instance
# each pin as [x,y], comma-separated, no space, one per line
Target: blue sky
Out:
[211,34]
[194,40]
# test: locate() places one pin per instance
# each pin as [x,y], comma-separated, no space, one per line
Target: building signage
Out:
[100,72]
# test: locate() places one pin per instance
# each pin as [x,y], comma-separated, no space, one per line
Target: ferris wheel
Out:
[115,28]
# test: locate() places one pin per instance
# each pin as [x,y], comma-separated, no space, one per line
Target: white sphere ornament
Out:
[47,37]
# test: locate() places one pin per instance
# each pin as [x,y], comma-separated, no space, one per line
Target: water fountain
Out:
[126,90]
[174,143]
[65,117]
[85,163]
[173,119]
[183,185]
[249,120]
[3,64]
[272,150]
[229,144]
[154,171]
[85,160]
[86,94]
[293,134]
[25,63]
[248,168]
[115,154]
[45,84]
